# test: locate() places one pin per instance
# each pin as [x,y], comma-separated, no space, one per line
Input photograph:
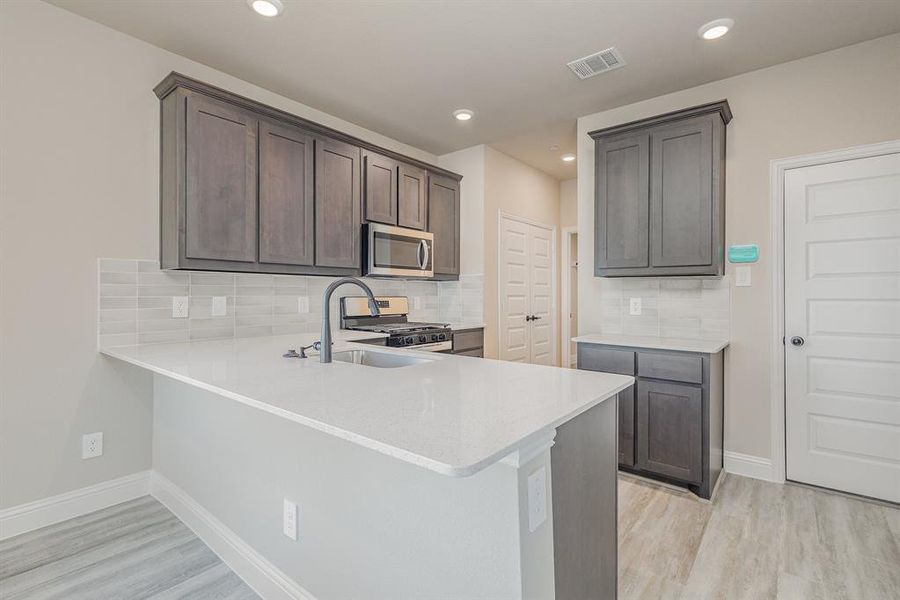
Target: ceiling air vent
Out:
[605,60]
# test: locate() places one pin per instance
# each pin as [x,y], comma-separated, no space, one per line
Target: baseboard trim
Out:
[265,578]
[748,465]
[49,511]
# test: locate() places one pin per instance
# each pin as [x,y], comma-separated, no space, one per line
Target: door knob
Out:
[797,341]
[535,317]
[528,317]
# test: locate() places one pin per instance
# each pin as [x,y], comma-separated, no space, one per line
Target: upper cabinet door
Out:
[286,226]
[412,205]
[381,188]
[220,187]
[621,203]
[443,222]
[681,194]
[337,205]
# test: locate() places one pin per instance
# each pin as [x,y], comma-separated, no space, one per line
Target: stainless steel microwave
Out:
[398,252]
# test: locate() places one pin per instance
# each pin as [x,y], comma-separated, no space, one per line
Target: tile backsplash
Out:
[682,308]
[135,302]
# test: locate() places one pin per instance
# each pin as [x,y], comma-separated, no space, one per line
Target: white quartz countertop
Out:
[454,415]
[659,343]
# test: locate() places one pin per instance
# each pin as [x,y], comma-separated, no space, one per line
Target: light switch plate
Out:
[180,307]
[537,498]
[219,306]
[742,277]
[302,304]
[634,306]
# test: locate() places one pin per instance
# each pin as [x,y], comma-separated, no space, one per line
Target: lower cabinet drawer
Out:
[672,367]
[479,352]
[604,359]
[626,427]
[669,430]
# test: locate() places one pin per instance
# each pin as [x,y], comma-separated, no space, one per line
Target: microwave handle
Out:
[427,254]
[422,254]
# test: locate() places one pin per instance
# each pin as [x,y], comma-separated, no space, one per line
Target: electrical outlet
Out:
[92,445]
[634,306]
[302,304]
[219,306]
[537,498]
[742,277]
[289,522]
[180,307]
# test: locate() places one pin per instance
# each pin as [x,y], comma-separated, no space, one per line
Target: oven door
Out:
[399,252]
[445,346]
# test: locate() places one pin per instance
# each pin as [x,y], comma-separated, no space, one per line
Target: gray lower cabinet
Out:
[337,205]
[469,342]
[669,418]
[246,187]
[671,421]
[443,222]
[660,195]
[286,195]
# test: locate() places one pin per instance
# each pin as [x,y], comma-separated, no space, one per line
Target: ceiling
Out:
[400,67]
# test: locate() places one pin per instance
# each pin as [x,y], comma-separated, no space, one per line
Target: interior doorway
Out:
[569,296]
[526,290]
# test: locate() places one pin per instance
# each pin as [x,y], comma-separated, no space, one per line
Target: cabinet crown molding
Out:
[720,107]
[175,80]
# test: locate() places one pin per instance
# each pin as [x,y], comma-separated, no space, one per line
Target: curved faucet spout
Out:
[325,352]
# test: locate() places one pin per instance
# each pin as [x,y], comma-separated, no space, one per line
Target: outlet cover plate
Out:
[289,522]
[92,445]
[303,304]
[537,498]
[180,307]
[742,277]
[634,306]
[219,306]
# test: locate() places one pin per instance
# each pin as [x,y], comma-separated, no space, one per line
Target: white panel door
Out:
[513,284]
[525,287]
[842,325]
[541,300]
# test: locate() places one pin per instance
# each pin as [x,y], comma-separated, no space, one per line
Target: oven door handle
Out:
[432,347]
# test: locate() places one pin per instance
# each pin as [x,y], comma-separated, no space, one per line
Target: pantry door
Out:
[842,325]
[526,289]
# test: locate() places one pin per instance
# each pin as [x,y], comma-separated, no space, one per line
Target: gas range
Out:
[393,321]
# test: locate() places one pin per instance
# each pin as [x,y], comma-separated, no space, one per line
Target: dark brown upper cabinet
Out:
[659,204]
[412,202]
[381,175]
[443,222]
[337,205]
[250,188]
[220,181]
[286,195]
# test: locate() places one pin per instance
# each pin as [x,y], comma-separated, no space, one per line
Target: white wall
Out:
[568,202]
[79,125]
[842,98]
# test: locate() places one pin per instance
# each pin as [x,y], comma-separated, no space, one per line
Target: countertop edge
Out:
[708,346]
[464,470]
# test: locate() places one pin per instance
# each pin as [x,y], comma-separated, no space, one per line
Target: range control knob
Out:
[442,336]
[422,339]
[434,337]
[409,340]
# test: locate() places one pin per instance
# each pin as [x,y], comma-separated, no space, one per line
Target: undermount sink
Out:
[382,360]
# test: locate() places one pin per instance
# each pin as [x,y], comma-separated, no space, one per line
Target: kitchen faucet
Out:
[325,351]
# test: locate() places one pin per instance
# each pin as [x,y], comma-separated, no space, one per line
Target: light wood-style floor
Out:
[756,541]
[127,552]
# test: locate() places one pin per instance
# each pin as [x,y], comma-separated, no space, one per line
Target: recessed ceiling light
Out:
[568,157]
[463,114]
[715,29]
[267,8]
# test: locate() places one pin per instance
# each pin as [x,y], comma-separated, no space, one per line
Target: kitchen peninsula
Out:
[454,477]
